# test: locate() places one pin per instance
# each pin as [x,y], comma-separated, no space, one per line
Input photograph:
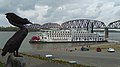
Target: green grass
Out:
[2,64]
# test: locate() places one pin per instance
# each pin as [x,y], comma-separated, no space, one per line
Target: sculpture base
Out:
[15,61]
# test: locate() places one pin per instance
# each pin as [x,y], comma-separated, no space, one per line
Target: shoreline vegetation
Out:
[8,28]
[11,28]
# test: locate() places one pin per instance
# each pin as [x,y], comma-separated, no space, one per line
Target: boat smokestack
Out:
[87,26]
[92,28]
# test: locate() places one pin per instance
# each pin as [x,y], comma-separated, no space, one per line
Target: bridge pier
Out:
[106,32]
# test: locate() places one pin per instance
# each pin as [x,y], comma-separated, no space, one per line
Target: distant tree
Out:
[10,28]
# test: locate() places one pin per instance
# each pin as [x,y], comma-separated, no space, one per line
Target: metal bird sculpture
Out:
[13,18]
[14,43]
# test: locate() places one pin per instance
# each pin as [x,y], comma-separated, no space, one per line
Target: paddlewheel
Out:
[35,38]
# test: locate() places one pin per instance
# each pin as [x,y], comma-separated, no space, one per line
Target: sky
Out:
[59,11]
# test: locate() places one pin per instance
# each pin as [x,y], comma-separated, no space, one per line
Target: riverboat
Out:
[66,36]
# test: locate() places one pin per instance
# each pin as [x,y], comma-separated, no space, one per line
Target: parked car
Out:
[111,50]
[84,49]
[98,49]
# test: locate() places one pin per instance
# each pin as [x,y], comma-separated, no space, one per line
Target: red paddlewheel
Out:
[35,38]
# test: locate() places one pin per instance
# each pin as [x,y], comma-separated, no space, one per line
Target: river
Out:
[26,46]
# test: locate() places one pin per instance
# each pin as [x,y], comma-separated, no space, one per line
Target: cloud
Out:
[44,11]
[3,20]
[12,5]
[35,15]
[108,12]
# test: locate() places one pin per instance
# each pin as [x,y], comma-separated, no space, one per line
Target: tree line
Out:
[10,28]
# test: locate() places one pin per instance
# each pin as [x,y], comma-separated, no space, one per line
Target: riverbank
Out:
[87,58]
[104,58]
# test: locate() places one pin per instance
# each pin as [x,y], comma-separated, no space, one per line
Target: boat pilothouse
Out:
[71,35]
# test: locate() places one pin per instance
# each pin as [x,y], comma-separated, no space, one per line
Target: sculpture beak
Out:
[30,23]
[6,13]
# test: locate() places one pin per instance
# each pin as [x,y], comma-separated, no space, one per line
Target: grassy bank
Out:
[56,61]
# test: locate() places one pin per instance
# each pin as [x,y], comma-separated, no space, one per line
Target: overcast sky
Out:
[59,11]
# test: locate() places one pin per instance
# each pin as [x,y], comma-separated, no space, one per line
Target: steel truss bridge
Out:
[84,23]
[79,24]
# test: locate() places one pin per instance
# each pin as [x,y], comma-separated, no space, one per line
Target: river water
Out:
[26,46]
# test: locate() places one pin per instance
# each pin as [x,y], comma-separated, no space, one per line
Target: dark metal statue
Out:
[14,19]
[14,43]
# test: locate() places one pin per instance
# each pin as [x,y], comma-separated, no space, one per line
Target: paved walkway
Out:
[34,62]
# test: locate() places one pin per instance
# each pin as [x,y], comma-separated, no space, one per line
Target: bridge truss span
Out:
[83,23]
[114,25]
